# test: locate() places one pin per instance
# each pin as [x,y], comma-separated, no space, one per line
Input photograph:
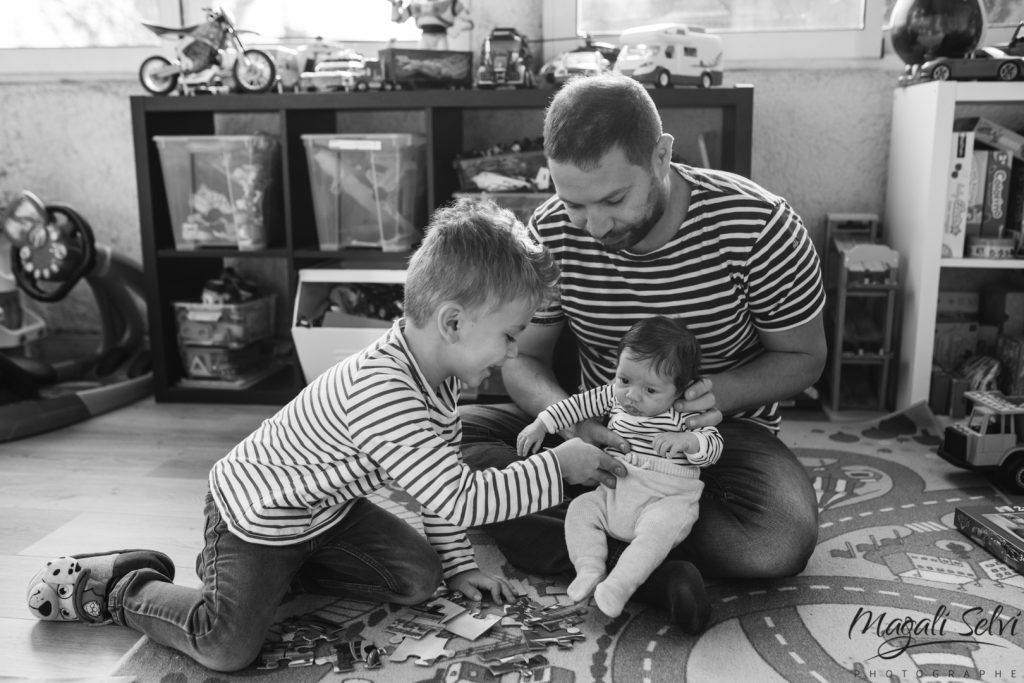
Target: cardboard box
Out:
[992,134]
[957,304]
[954,230]
[997,192]
[321,347]
[955,341]
[999,529]
[1003,307]
[1010,351]
[976,195]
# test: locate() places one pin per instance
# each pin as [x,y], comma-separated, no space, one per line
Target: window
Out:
[753,30]
[106,37]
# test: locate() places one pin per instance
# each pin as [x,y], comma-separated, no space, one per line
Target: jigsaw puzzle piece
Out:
[472,625]
[427,649]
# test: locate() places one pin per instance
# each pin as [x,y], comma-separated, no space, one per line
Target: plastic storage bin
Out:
[217,187]
[334,338]
[522,204]
[215,362]
[368,190]
[226,325]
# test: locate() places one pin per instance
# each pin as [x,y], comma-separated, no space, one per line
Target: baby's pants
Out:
[653,508]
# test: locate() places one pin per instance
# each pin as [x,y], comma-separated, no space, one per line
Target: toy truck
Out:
[505,61]
[990,438]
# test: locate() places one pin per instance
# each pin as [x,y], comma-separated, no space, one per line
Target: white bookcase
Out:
[919,155]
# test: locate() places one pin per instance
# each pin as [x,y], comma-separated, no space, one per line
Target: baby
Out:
[654,507]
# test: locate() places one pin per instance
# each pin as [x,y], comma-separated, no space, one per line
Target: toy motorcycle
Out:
[203,53]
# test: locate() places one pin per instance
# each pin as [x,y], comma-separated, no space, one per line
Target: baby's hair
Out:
[668,344]
[476,252]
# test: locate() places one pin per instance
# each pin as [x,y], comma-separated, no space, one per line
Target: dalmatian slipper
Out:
[74,588]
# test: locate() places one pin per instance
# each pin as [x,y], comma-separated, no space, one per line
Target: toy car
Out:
[986,63]
[336,71]
[569,64]
[990,438]
[505,60]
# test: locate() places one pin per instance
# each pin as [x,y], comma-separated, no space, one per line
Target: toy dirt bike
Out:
[203,53]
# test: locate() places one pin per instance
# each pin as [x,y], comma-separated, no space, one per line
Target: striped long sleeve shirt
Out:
[367,421]
[638,431]
[741,262]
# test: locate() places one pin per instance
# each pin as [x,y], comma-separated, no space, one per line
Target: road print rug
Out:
[893,593]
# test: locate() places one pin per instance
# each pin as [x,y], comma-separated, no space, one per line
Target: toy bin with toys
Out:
[340,312]
[369,190]
[217,187]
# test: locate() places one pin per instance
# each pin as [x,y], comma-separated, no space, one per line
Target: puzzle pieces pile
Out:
[505,638]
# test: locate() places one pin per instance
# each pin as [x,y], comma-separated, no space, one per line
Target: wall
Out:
[821,139]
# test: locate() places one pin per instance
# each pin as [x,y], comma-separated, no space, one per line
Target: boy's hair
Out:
[476,252]
[590,115]
[668,344]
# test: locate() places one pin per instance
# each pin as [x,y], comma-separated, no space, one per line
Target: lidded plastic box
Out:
[217,186]
[369,190]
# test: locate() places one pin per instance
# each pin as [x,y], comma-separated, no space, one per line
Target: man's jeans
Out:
[758,512]
[369,555]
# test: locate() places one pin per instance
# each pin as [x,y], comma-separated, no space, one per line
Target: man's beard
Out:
[625,240]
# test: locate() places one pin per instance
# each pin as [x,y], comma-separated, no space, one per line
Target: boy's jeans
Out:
[369,555]
[758,512]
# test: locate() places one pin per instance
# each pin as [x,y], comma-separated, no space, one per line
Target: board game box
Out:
[997,528]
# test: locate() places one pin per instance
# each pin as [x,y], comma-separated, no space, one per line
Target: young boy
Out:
[286,511]
[655,507]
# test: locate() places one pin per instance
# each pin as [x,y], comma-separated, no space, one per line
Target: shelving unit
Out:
[919,157]
[716,122]
[862,323]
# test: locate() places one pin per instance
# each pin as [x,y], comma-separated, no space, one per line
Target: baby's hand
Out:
[531,438]
[471,583]
[631,458]
[674,444]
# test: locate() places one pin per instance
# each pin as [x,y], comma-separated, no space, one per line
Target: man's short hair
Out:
[475,253]
[591,115]
[668,344]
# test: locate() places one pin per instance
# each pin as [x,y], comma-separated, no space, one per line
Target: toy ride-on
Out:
[990,439]
[48,249]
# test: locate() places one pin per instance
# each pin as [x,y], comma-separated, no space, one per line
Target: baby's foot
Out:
[587,577]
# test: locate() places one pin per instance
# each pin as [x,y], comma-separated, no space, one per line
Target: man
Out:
[636,236]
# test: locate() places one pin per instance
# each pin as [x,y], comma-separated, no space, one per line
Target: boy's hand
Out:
[583,463]
[596,433]
[471,582]
[699,398]
[675,444]
[531,438]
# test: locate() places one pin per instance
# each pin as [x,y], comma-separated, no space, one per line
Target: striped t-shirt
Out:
[368,420]
[742,261]
[638,431]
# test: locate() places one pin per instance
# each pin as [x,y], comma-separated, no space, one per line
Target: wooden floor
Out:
[133,478]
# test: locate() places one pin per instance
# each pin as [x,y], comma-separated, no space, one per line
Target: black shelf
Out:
[452,122]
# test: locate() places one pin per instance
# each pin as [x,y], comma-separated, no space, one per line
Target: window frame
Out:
[743,48]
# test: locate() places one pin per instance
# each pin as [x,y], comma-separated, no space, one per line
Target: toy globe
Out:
[921,30]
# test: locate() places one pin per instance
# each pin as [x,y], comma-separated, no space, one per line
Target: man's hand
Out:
[583,463]
[699,398]
[471,583]
[531,438]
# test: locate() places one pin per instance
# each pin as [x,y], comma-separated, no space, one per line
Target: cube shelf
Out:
[710,125]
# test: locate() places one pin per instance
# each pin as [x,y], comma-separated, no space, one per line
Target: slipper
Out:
[74,588]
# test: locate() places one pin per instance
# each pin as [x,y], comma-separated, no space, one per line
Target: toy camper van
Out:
[671,54]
